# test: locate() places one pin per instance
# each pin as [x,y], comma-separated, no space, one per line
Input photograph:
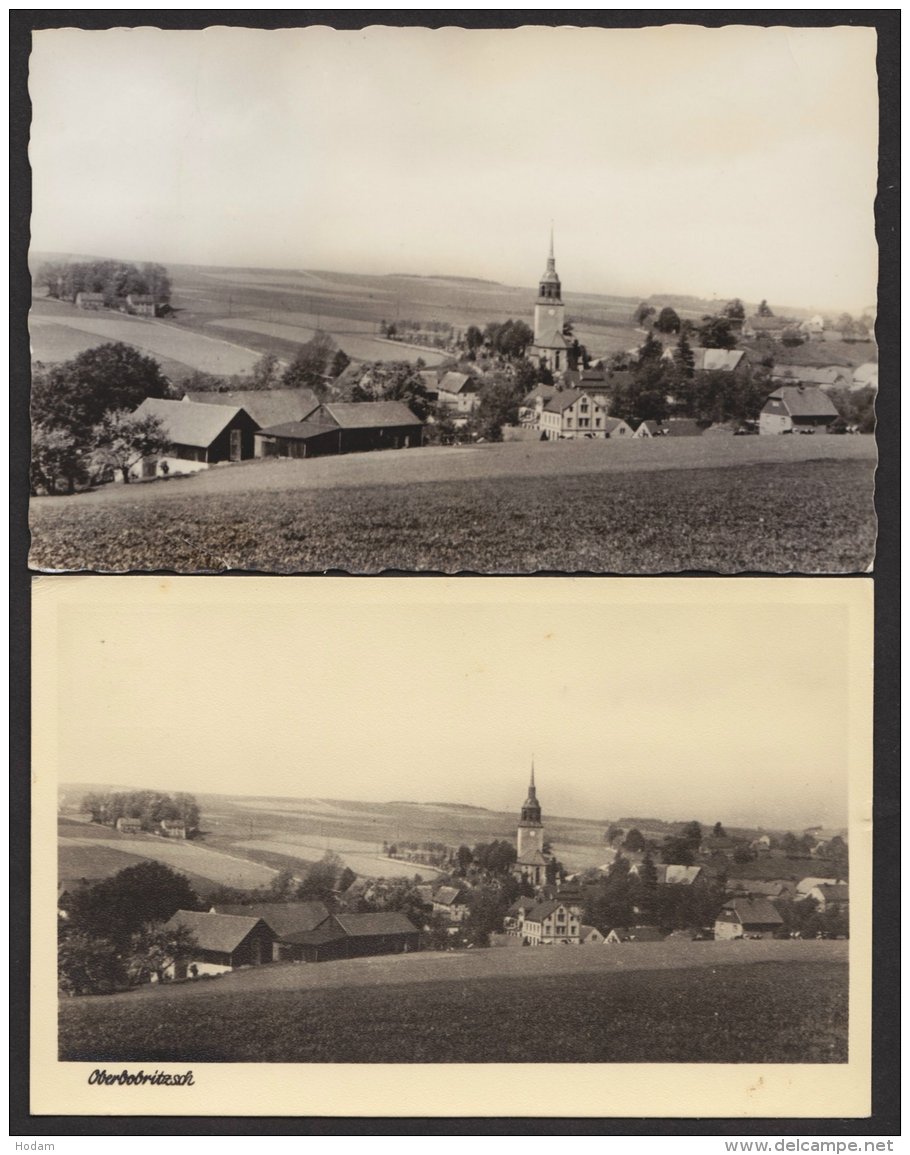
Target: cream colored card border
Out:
[507,1090]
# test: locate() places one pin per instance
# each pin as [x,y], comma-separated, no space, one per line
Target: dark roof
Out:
[545,909]
[542,391]
[448,895]
[753,912]
[457,383]
[365,414]
[218,932]
[560,401]
[265,406]
[801,401]
[283,917]
[683,427]
[298,430]
[188,423]
[328,931]
[836,892]
[638,933]
[531,858]
[382,922]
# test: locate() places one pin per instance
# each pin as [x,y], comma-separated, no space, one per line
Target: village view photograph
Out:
[502,301]
[576,822]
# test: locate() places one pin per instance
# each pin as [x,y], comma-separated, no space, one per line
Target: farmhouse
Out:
[590,936]
[224,942]
[143,304]
[459,391]
[531,406]
[353,935]
[831,897]
[797,409]
[200,436]
[129,825]
[265,406]
[451,902]
[343,427]
[284,919]
[90,300]
[747,917]
[624,934]
[758,887]
[172,828]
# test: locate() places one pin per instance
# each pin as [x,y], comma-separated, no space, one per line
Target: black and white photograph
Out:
[593,824]
[503,301]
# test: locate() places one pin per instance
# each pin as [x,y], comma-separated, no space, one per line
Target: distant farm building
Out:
[458,391]
[172,828]
[343,427]
[624,934]
[129,825]
[224,942]
[747,917]
[142,304]
[284,919]
[200,436]
[797,409]
[265,406]
[353,935]
[90,300]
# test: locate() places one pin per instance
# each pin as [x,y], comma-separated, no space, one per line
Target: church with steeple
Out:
[550,348]
[532,861]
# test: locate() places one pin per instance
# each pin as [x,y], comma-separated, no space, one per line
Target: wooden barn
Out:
[200,435]
[343,427]
[285,919]
[354,935]
[224,942]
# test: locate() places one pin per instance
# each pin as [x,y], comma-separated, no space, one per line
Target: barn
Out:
[224,942]
[200,435]
[797,409]
[354,935]
[343,427]
[285,919]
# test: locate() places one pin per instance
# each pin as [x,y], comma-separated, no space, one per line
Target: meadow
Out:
[727,505]
[762,1002]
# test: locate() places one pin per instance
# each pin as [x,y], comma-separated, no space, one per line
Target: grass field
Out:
[651,1003]
[722,504]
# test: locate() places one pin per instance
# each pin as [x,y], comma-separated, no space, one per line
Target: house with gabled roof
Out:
[200,436]
[223,942]
[284,919]
[343,427]
[747,918]
[143,304]
[633,934]
[265,406]
[89,300]
[458,391]
[797,409]
[552,922]
[831,897]
[574,414]
[345,935]
[451,902]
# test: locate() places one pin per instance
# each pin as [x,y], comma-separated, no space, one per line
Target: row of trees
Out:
[151,807]
[64,280]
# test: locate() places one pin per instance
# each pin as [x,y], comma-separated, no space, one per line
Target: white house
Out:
[575,415]
[797,409]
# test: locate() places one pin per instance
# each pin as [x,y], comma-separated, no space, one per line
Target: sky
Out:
[670,699]
[717,162]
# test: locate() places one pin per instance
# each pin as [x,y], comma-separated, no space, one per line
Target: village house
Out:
[593,381]
[590,936]
[829,377]
[224,942]
[806,885]
[832,898]
[633,934]
[672,874]
[865,374]
[143,304]
[552,922]
[90,300]
[171,828]
[531,405]
[760,888]
[747,918]
[347,935]
[284,919]
[797,409]
[343,427]
[452,903]
[200,436]
[573,415]
[459,392]
[129,825]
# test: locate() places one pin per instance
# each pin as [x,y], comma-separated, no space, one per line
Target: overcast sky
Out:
[728,162]
[666,699]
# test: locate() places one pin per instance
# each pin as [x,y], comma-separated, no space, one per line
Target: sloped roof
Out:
[638,933]
[715,360]
[381,922]
[866,374]
[552,338]
[298,430]
[448,895]
[544,392]
[682,427]
[811,375]
[187,422]
[218,932]
[265,406]
[753,911]
[836,892]
[283,917]
[801,401]
[611,423]
[531,858]
[675,875]
[453,382]
[587,930]
[769,889]
[542,910]
[561,401]
[365,414]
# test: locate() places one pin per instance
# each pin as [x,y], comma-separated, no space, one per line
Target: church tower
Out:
[549,348]
[530,825]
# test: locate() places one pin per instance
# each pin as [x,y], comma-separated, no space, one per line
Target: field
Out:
[765,1002]
[713,503]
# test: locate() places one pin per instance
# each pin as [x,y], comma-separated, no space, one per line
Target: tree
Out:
[499,401]
[735,310]
[56,456]
[473,338]
[716,333]
[792,337]
[309,367]
[691,834]
[155,948]
[743,854]
[122,440]
[464,858]
[321,878]
[613,833]
[116,907]
[266,373]
[76,394]
[643,313]
[684,359]
[677,851]
[340,362]
[764,310]
[718,831]
[837,851]
[651,351]
[88,964]
[667,321]
[634,841]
